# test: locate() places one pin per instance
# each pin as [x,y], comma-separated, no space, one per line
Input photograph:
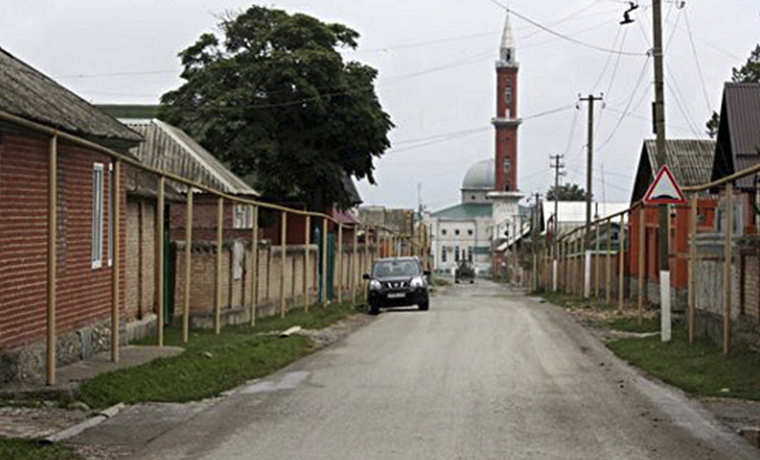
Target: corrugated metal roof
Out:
[738,145]
[170,149]
[465,211]
[742,107]
[690,161]
[29,94]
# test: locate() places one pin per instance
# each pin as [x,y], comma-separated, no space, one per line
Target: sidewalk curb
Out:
[72,431]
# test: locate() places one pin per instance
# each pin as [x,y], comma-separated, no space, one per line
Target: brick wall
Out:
[236,292]
[140,258]
[84,293]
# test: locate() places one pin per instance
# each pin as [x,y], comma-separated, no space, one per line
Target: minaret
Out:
[506,121]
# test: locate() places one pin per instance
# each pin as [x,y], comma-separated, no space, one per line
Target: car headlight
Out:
[417,282]
[375,285]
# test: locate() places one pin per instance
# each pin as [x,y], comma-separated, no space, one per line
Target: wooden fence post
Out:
[255,265]
[52,262]
[159,261]
[188,265]
[621,252]
[340,270]
[355,265]
[306,272]
[727,249]
[116,267]
[597,273]
[692,267]
[642,261]
[324,261]
[608,263]
[283,259]
[218,272]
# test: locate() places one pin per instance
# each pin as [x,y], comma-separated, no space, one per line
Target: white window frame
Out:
[242,216]
[96,254]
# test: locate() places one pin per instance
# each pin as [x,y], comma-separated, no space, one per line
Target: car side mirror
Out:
[365,276]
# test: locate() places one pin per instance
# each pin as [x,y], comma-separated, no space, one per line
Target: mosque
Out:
[488,208]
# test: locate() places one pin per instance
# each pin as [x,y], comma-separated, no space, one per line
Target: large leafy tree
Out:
[566,192]
[274,99]
[748,73]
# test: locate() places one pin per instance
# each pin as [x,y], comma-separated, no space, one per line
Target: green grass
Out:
[571,301]
[631,324]
[211,363]
[20,449]
[701,369]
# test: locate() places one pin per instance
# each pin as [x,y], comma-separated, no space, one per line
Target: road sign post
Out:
[664,191]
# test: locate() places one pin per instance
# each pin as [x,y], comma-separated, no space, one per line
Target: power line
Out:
[699,66]
[560,35]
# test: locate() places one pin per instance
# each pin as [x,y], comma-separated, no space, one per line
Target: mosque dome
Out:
[481,176]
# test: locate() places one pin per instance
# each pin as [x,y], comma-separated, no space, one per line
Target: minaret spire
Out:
[507,50]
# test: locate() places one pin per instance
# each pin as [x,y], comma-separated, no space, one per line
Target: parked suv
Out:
[464,272]
[397,282]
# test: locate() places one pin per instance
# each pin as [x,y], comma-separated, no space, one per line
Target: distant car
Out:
[464,272]
[397,282]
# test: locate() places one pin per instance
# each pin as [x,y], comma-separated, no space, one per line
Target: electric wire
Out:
[560,35]
[699,65]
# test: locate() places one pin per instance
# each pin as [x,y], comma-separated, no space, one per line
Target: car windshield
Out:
[390,268]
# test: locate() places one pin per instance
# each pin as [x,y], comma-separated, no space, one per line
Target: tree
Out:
[748,73]
[566,192]
[276,102]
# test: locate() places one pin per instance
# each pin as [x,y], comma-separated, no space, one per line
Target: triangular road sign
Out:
[664,189]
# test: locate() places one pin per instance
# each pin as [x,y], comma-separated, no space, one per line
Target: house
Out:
[170,149]
[62,314]
[737,148]
[690,161]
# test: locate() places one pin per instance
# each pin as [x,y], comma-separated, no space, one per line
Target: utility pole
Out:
[558,166]
[659,128]
[535,230]
[590,153]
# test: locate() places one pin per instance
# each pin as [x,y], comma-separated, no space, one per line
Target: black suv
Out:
[397,282]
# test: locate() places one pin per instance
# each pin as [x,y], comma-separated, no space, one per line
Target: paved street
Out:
[485,374]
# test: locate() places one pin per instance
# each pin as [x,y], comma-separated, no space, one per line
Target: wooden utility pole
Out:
[590,154]
[558,166]
[659,127]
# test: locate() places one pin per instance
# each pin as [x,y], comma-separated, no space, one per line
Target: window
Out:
[456,254]
[243,216]
[456,232]
[469,254]
[97,215]
[507,164]
[469,232]
[443,231]
[443,254]
[110,214]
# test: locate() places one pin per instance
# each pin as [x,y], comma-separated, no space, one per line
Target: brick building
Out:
[32,109]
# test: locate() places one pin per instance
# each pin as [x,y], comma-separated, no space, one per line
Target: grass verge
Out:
[701,369]
[21,449]
[211,363]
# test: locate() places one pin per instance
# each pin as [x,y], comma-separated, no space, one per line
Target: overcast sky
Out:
[437,78]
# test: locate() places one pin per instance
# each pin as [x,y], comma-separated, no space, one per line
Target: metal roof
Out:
[29,94]
[690,161]
[738,145]
[170,149]
[465,211]
[742,111]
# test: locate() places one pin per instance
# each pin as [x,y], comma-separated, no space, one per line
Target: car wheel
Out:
[374,310]
[424,306]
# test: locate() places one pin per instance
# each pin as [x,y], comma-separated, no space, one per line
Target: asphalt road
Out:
[485,374]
